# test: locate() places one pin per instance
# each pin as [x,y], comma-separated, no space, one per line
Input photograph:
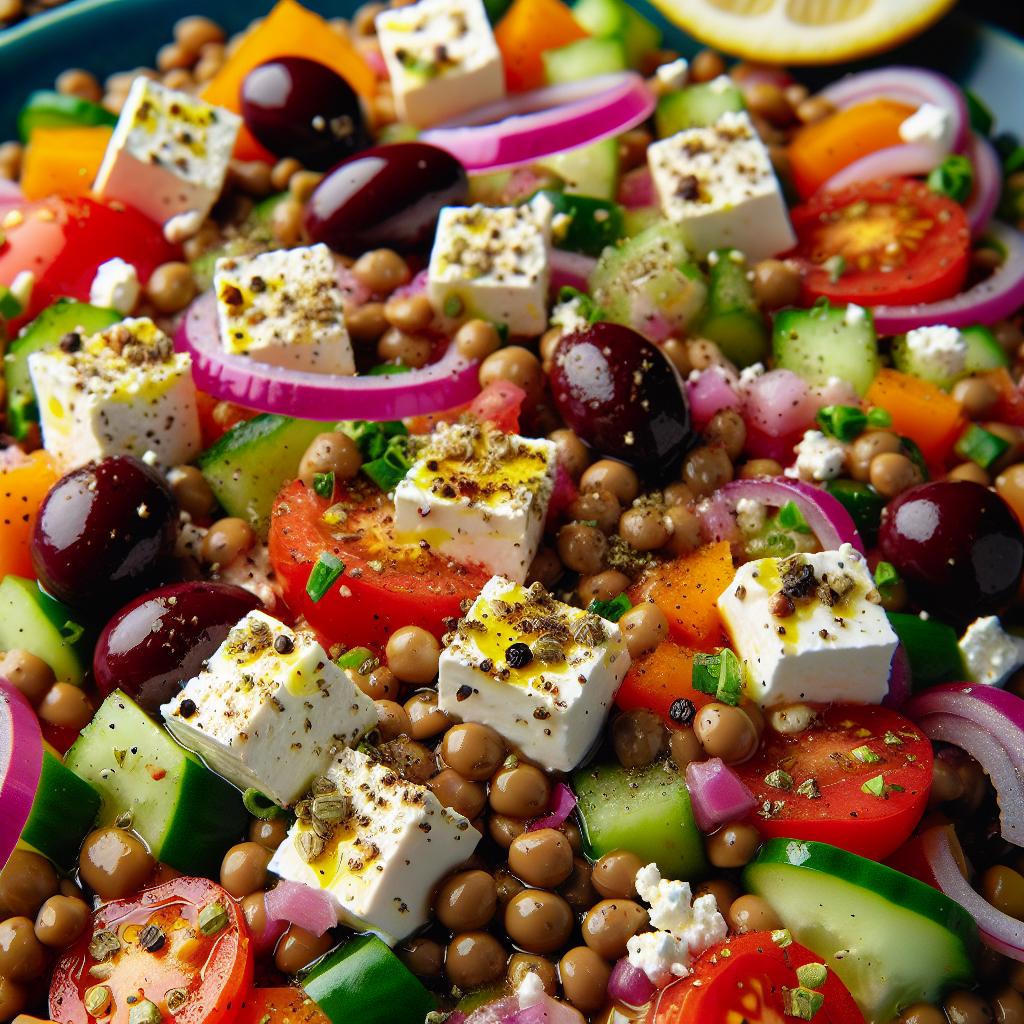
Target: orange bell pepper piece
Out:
[63,161]
[289,30]
[919,410]
[24,482]
[279,1006]
[825,147]
[686,590]
[527,29]
[659,679]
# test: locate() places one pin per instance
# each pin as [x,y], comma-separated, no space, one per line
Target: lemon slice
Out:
[803,31]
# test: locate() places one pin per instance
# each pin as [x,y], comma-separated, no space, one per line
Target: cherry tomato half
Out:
[891,242]
[191,977]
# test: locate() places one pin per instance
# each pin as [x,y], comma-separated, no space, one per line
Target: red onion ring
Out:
[904,161]
[717,794]
[999,296]
[629,984]
[527,127]
[570,269]
[561,804]
[988,184]
[301,905]
[998,930]
[449,382]
[21,762]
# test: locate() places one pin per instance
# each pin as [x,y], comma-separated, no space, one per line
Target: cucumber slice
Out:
[35,622]
[583,59]
[733,320]
[41,335]
[63,811]
[46,109]
[593,223]
[932,647]
[639,219]
[697,106]
[252,461]
[983,351]
[186,814]
[591,170]
[893,940]
[647,812]
[826,341]
[614,18]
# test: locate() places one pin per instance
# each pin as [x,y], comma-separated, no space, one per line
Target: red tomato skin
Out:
[500,403]
[63,241]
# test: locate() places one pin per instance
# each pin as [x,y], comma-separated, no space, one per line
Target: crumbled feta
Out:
[123,391]
[929,123]
[442,59]
[493,263]
[749,374]
[751,515]
[568,316]
[810,628]
[115,286]
[718,185]
[721,84]
[660,955]
[673,75]
[530,990]
[552,707]
[818,457]
[284,308]
[941,351]
[478,495]
[169,153]
[270,710]
[990,654]
[854,315]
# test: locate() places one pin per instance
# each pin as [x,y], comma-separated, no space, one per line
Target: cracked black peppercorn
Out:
[518,655]
[187,708]
[283,644]
[682,711]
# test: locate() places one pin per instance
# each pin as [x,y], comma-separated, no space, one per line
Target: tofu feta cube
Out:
[124,391]
[991,655]
[284,308]
[540,672]
[718,185]
[810,628]
[478,495]
[493,263]
[270,711]
[169,153]
[442,59]
[390,843]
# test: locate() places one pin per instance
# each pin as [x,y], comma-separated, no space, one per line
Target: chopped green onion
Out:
[981,446]
[844,422]
[886,575]
[354,658]
[782,937]
[387,369]
[72,631]
[720,675]
[213,918]
[879,417]
[323,484]
[386,470]
[812,975]
[954,178]
[802,1003]
[874,787]
[323,575]
[10,307]
[259,805]
[612,610]
[372,439]
[791,518]
[865,755]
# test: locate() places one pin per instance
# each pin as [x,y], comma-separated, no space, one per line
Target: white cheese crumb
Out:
[929,123]
[115,286]
[749,374]
[675,74]
[22,286]
[183,226]
[940,349]
[723,83]
[569,316]
[530,991]
[818,457]
[751,515]
[150,457]
[854,315]
[990,653]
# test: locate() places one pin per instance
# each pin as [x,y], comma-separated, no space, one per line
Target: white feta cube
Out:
[493,263]
[442,59]
[478,495]
[829,642]
[169,153]
[818,457]
[270,711]
[384,859]
[285,308]
[115,286]
[123,391]
[718,185]
[553,707]
[938,351]
[991,655]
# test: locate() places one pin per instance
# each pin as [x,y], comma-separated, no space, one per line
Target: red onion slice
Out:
[21,761]
[562,804]
[629,984]
[905,161]
[449,382]
[571,269]
[988,184]
[717,793]
[302,905]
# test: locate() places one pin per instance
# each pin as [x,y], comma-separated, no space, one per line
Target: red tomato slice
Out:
[213,971]
[499,403]
[384,586]
[844,814]
[896,242]
[744,981]
[63,241]
[284,1005]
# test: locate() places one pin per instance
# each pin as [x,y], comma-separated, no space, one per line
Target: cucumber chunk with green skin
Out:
[248,465]
[983,350]
[63,812]
[604,18]
[42,335]
[46,109]
[863,503]
[187,815]
[893,940]
[364,981]
[647,812]
[592,223]
[35,622]
[591,170]
[696,106]
[827,341]
[733,320]
[932,647]
[583,59]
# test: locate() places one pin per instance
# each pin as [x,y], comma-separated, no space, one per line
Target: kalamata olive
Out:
[621,396]
[385,197]
[156,643]
[104,532]
[301,108]
[957,545]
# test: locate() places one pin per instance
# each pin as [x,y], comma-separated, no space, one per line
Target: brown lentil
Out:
[474,959]
[466,901]
[195,32]
[404,349]
[226,540]
[976,396]
[462,795]
[516,364]
[643,628]
[26,882]
[114,863]
[572,453]
[706,65]
[298,947]
[969,471]
[639,737]
[475,751]
[413,655]
[609,475]
[426,719]
[366,323]
[614,874]
[584,979]
[582,548]
[864,449]
[30,675]
[752,469]
[1004,889]
[602,586]
[268,832]
[610,924]
[685,747]
[61,920]
[538,921]
[750,913]
[922,1013]
[578,890]
[477,339]
[706,469]
[599,506]
[81,83]
[392,720]
[546,568]
[243,870]
[22,956]
[686,530]
[732,846]
[678,354]
[644,527]
[424,957]
[504,828]
[522,964]
[891,473]
[1008,1006]
[963,1007]
[66,706]
[726,732]
[542,858]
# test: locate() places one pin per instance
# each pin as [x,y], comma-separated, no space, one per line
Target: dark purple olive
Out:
[104,533]
[385,197]
[298,107]
[156,643]
[621,396]
[957,545]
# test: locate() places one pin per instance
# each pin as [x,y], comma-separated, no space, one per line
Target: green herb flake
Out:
[213,918]
[779,779]
[812,975]
[323,484]
[981,446]
[391,466]
[879,418]
[719,675]
[809,789]
[72,631]
[782,937]
[323,575]
[886,575]
[791,518]
[865,755]
[10,307]
[612,610]
[259,805]
[890,739]
[802,1003]
[144,1012]
[874,787]
[453,306]
[354,658]
[954,178]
